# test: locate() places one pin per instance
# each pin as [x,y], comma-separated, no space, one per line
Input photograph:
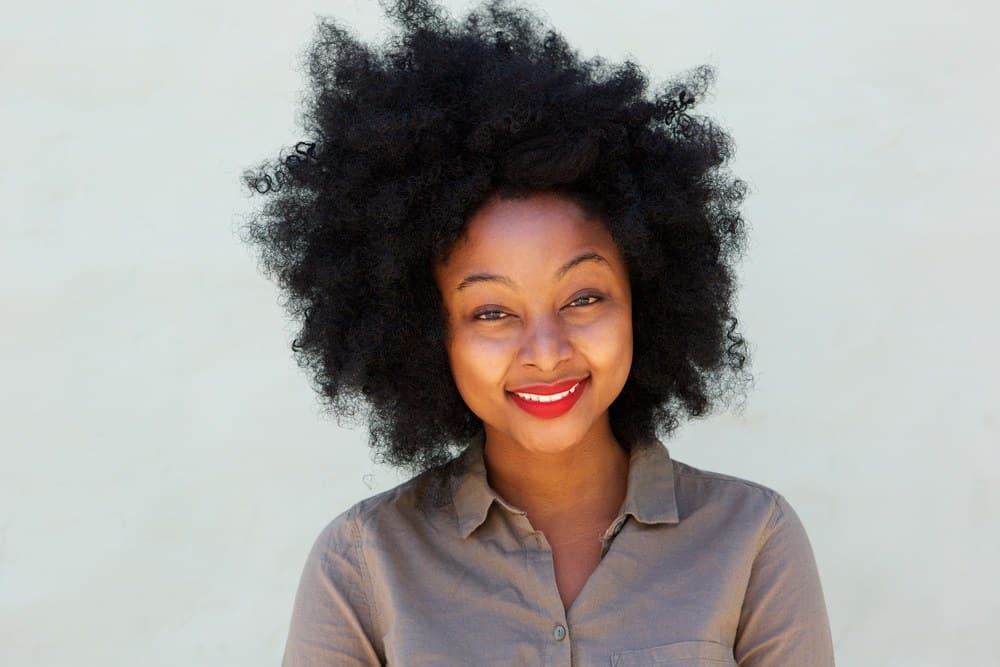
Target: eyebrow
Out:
[504,280]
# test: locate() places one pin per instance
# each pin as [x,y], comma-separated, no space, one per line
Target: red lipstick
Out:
[545,408]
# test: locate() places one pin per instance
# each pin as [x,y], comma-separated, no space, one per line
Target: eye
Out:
[585,300]
[490,315]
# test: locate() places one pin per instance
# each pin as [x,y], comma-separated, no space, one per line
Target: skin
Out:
[537,292]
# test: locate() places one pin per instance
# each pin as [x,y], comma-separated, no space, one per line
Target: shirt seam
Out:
[688,471]
[765,535]
[367,590]
[776,514]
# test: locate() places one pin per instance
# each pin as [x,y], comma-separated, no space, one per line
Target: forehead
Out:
[528,234]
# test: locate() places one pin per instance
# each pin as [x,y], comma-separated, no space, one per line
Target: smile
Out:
[547,398]
[549,406]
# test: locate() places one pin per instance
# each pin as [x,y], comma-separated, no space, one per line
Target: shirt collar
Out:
[649,497]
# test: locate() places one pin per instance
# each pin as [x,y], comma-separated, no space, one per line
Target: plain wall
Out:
[166,466]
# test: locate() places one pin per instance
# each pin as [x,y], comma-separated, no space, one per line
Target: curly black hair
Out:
[404,141]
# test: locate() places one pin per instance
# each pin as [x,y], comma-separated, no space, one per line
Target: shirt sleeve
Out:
[333,618]
[784,620]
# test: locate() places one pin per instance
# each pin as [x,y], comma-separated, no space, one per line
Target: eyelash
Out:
[593,298]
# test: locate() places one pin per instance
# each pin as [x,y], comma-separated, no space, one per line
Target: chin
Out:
[550,436]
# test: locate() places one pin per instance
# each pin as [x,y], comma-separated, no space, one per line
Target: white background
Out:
[164,466]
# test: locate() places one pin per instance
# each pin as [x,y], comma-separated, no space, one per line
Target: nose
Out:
[545,344]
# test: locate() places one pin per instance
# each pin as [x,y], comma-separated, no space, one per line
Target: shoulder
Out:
[406,508]
[712,496]
[682,469]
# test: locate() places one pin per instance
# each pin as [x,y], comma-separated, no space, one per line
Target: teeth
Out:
[540,398]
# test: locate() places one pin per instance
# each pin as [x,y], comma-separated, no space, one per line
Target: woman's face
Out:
[540,321]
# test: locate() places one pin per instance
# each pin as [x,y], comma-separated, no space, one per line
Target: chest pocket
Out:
[678,654]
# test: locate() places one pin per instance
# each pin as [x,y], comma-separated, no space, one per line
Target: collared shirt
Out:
[697,569]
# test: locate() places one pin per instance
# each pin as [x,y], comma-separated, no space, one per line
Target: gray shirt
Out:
[698,569]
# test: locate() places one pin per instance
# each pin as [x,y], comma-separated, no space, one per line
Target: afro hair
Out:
[404,141]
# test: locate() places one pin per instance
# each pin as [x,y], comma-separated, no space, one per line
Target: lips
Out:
[549,401]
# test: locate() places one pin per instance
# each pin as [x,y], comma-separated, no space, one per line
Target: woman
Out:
[500,250]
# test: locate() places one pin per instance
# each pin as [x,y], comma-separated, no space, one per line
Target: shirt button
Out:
[559,633]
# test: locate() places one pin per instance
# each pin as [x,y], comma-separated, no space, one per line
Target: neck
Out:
[588,479]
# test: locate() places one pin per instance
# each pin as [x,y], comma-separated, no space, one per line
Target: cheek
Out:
[477,363]
[609,340]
